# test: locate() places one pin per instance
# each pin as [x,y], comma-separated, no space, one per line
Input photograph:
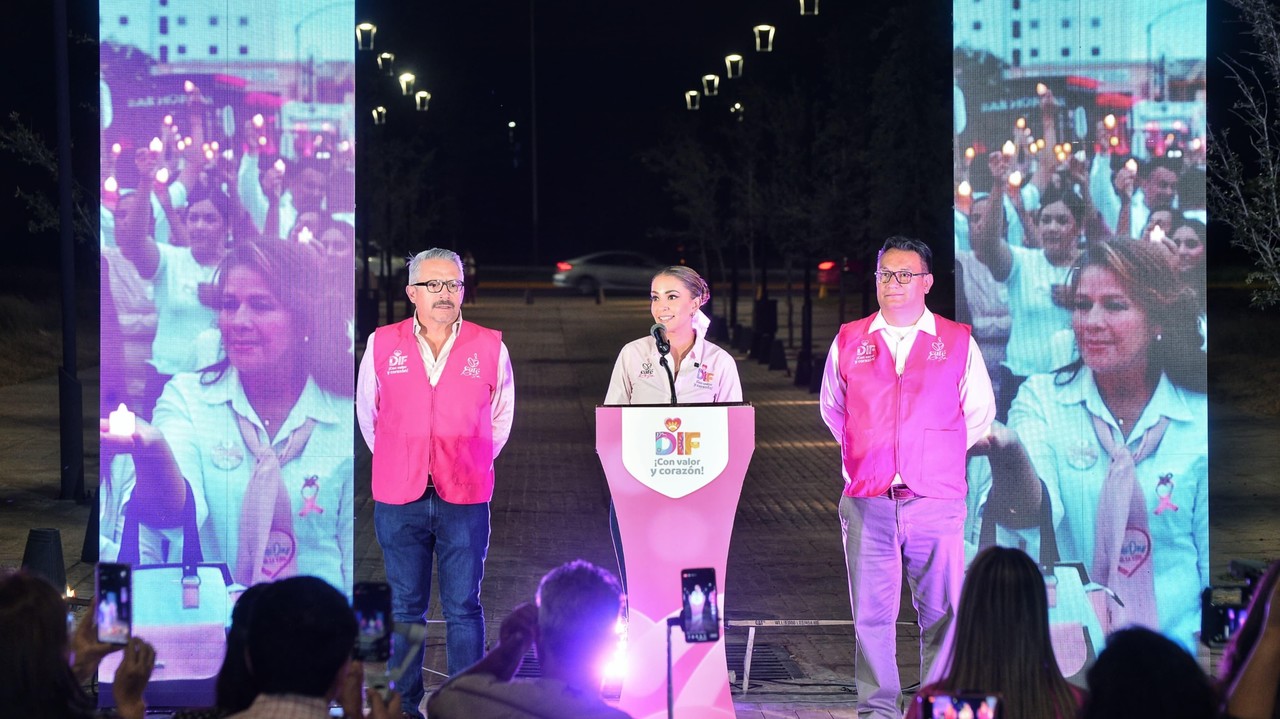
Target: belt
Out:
[899,492]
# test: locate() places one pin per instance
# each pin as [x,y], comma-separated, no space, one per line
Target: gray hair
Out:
[578,606]
[435,253]
[690,279]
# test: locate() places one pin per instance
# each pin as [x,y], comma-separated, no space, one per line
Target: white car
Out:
[611,270]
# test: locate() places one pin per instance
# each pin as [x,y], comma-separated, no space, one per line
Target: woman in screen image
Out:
[178,271]
[1002,644]
[263,437]
[676,297]
[1120,440]
[1036,278]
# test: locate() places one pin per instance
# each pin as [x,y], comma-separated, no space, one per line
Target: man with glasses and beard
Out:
[905,393]
[438,395]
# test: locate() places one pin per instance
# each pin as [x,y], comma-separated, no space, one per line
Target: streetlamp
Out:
[710,85]
[808,7]
[733,66]
[364,35]
[421,100]
[1152,24]
[386,63]
[406,83]
[692,100]
[764,37]
[297,38]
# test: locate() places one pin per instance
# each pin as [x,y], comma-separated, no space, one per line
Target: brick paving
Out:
[550,506]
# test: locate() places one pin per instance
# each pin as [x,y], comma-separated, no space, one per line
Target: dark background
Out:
[609,83]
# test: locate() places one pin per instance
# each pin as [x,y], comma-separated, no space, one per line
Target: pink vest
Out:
[444,431]
[911,425]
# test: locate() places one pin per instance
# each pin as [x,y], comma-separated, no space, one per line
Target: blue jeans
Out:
[458,535]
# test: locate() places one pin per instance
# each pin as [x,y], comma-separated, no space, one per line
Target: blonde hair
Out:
[691,280]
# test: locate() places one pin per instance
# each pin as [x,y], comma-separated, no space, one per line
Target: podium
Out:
[676,474]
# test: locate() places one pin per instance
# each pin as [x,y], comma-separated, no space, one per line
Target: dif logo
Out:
[674,441]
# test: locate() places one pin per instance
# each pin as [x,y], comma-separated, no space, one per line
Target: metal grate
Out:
[769,662]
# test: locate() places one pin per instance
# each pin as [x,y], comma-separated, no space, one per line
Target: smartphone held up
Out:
[114,607]
[699,614]
[371,602]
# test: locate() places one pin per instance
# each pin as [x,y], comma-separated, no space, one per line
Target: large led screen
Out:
[227,244]
[1079,155]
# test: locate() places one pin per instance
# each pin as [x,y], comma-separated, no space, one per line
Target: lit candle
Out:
[1021,123]
[964,196]
[162,176]
[71,593]
[1109,122]
[168,119]
[305,235]
[189,86]
[116,149]
[969,153]
[279,165]
[1041,88]
[214,146]
[1009,149]
[122,422]
[1015,178]
[262,141]
[1131,165]
[156,145]
[210,154]
[1066,147]
[1114,141]
[1157,233]
[258,120]
[111,185]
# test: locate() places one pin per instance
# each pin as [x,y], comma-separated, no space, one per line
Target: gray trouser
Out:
[881,537]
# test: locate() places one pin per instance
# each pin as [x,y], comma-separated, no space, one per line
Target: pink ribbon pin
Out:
[1164,490]
[311,489]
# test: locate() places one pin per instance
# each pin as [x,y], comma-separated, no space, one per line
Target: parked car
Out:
[612,270]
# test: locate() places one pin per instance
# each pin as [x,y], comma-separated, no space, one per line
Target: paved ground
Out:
[550,506]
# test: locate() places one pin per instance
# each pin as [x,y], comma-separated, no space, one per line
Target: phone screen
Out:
[114,610]
[700,614]
[372,606]
[960,706]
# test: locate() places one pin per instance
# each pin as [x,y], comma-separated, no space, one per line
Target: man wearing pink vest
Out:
[437,394]
[905,393]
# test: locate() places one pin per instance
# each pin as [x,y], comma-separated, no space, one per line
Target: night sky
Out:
[610,77]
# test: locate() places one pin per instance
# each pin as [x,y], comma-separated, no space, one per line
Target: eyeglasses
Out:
[434,286]
[902,276]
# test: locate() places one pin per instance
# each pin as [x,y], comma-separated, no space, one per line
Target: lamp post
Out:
[421,100]
[710,85]
[764,37]
[406,83]
[387,63]
[365,33]
[692,100]
[1150,26]
[733,66]
[297,42]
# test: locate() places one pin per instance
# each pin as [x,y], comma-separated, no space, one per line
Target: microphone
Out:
[659,333]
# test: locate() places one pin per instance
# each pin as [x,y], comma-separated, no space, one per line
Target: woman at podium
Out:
[700,372]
